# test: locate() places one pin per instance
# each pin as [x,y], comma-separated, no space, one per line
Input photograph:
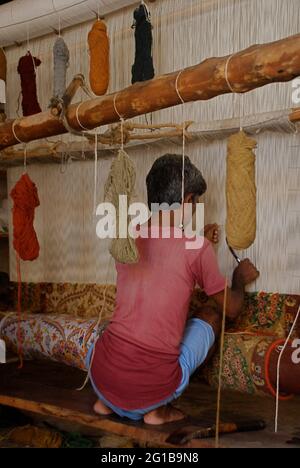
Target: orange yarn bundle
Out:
[99,58]
[26,199]
[26,245]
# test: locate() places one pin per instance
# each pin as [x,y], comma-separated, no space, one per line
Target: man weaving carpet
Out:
[144,359]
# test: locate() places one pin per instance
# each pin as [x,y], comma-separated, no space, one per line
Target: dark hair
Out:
[164,181]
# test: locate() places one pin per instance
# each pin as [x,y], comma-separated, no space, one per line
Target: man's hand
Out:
[244,274]
[211,232]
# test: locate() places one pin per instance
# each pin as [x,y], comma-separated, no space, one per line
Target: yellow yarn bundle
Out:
[121,181]
[241,191]
[35,437]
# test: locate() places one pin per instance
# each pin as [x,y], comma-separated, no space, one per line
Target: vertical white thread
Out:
[222,341]
[183,172]
[122,134]
[25,158]
[278,369]
[97,326]
[122,120]
[240,45]
[95,173]
[241,111]
[28,41]
[183,151]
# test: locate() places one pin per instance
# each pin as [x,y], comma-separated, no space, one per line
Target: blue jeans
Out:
[197,341]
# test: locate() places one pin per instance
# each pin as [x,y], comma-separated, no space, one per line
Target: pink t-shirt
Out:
[135,363]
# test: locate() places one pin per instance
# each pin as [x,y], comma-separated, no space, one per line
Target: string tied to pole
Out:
[231,86]
[21,142]
[78,119]
[120,183]
[122,121]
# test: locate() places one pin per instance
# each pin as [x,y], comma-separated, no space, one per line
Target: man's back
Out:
[136,360]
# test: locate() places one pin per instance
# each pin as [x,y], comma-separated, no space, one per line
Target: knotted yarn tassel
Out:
[121,181]
[241,191]
[61,57]
[143,68]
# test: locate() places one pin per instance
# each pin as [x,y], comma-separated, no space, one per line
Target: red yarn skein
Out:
[26,70]
[25,197]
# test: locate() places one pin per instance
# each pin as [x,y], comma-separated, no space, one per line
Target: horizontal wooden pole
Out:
[249,69]
[295,115]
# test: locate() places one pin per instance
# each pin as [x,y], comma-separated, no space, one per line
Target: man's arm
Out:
[244,274]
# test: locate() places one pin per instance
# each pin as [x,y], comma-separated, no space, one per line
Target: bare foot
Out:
[163,415]
[102,409]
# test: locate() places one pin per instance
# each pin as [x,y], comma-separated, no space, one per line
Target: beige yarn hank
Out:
[241,191]
[121,181]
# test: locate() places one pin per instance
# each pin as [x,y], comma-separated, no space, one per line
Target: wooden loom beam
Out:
[246,70]
[295,115]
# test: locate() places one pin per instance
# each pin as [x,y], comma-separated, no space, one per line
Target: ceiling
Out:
[18,17]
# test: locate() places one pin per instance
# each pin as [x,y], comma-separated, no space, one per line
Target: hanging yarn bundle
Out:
[61,57]
[2,76]
[241,191]
[26,245]
[25,198]
[99,58]
[26,69]
[143,68]
[121,181]
[35,437]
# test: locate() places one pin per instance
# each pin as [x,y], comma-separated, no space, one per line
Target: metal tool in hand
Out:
[237,258]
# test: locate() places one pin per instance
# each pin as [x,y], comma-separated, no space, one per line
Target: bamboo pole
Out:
[246,70]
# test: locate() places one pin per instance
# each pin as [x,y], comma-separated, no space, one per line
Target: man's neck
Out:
[165,219]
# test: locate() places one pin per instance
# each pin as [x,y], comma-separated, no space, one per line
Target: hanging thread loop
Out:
[78,119]
[231,87]
[15,135]
[226,74]
[177,87]
[115,106]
